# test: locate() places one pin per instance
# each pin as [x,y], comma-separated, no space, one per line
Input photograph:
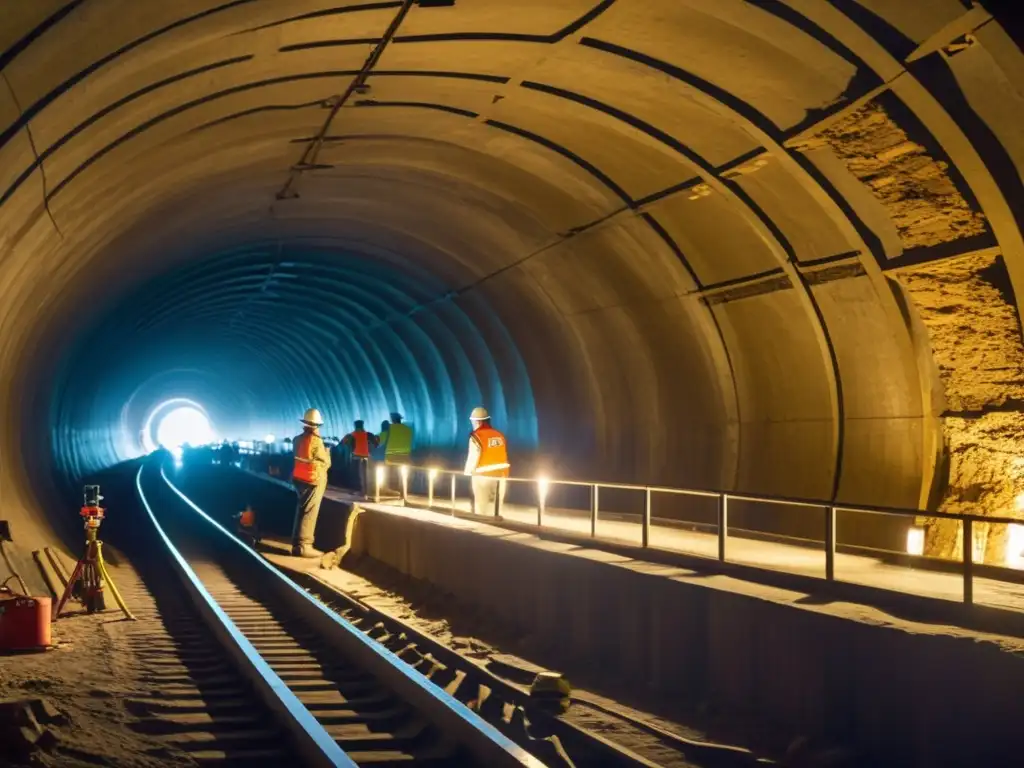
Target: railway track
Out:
[269,676]
[543,730]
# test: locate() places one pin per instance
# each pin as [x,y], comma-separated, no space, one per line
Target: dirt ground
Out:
[87,678]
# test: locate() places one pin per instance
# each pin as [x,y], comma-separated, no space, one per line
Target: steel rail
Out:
[315,745]
[451,716]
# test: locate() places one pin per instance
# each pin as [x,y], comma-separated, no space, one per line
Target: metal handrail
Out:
[829,508]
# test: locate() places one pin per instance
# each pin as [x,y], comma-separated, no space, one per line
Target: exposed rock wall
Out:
[915,189]
[969,310]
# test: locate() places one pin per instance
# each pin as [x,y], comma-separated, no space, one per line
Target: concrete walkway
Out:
[803,561]
[772,556]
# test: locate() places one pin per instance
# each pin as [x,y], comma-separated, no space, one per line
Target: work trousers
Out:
[306,512]
[361,468]
[484,489]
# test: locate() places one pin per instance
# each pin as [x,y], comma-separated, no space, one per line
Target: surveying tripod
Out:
[91,570]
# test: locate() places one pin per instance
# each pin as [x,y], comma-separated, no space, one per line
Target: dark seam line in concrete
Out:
[738,105]
[748,291]
[19,46]
[583,20]
[567,154]
[661,194]
[654,224]
[810,263]
[437,73]
[416,105]
[329,44]
[734,281]
[254,111]
[834,273]
[871,240]
[934,73]
[898,45]
[736,162]
[324,13]
[36,163]
[822,325]
[141,128]
[801,22]
[625,117]
[49,151]
[52,96]
[950,250]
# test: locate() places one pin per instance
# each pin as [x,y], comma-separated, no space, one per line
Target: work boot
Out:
[310,552]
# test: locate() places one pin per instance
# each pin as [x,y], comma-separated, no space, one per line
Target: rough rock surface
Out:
[967,305]
[915,188]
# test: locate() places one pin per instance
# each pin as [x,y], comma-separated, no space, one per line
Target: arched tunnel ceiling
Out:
[661,239]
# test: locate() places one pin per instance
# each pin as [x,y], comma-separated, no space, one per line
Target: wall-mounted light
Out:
[542,495]
[431,477]
[915,540]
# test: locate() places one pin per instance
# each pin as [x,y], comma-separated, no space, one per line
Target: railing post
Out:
[968,561]
[540,505]
[430,489]
[830,543]
[453,493]
[645,536]
[723,524]
[404,472]
[593,510]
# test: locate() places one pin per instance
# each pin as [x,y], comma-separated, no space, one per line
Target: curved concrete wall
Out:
[651,235]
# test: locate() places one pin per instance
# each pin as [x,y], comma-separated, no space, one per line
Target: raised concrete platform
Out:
[905,693]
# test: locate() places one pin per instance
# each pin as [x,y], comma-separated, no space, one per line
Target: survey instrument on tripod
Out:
[91,570]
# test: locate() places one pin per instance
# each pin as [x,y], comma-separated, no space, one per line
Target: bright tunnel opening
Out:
[184,426]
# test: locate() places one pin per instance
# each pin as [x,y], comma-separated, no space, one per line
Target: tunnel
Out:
[770,246]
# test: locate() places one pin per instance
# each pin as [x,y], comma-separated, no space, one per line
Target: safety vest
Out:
[305,469]
[493,453]
[360,443]
[247,518]
[399,440]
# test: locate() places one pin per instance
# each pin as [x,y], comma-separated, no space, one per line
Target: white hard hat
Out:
[312,416]
[479,414]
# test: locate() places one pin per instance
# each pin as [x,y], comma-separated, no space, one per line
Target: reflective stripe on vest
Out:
[493,453]
[305,468]
[361,443]
[399,440]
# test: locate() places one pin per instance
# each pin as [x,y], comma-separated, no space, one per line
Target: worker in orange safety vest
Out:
[309,476]
[487,463]
[359,443]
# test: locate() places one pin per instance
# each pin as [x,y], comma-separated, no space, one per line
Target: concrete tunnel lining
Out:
[625,226]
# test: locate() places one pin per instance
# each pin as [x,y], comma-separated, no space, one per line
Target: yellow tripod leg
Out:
[110,582]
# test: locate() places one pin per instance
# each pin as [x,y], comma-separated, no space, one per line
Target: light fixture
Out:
[268,438]
[915,541]
[542,487]
[1015,546]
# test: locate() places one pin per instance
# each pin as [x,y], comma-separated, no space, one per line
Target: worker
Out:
[247,527]
[397,442]
[359,443]
[309,475]
[487,463]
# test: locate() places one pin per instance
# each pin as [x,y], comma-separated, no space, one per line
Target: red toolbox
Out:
[24,622]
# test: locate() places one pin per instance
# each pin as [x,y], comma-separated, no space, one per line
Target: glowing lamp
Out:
[1015,546]
[915,541]
[433,473]
[380,475]
[269,439]
[404,470]
[542,487]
